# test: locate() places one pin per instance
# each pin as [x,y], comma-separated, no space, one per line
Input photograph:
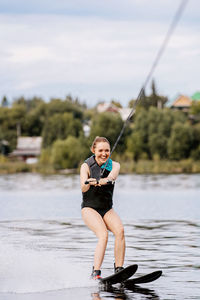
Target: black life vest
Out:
[99,196]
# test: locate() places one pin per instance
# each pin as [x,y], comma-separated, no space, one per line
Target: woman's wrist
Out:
[103,181]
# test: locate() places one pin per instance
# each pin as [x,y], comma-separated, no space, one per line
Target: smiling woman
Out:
[97,203]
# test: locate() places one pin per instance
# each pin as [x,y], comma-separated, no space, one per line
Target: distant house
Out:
[124,112]
[110,107]
[182,103]
[28,149]
[104,107]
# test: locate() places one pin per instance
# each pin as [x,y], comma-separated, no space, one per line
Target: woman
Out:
[97,211]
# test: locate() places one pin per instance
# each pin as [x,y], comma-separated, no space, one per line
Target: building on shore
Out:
[28,149]
[182,103]
[107,107]
[110,107]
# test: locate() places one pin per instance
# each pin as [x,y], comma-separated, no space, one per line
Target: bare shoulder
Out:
[84,167]
[116,165]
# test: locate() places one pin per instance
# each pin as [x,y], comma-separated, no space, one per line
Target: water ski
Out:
[119,276]
[142,279]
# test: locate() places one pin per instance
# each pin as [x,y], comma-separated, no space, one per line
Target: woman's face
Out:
[102,152]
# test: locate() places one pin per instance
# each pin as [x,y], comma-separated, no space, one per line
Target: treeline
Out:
[164,134]
[155,133]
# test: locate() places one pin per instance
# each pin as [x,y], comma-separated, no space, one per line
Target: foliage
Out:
[4,102]
[195,108]
[136,145]
[152,131]
[59,126]
[31,117]
[153,134]
[45,157]
[56,106]
[66,153]
[158,145]
[137,142]
[3,159]
[108,125]
[154,99]
[180,141]
[116,103]
[15,167]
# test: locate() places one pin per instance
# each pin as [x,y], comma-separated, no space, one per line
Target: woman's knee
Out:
[119,233]
[103,236]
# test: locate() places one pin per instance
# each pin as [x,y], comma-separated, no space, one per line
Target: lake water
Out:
[46,252]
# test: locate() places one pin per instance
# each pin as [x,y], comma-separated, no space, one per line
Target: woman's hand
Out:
[103,181]
[92,181]
[95,182]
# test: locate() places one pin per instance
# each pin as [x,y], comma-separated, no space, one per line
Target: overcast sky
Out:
[96,50]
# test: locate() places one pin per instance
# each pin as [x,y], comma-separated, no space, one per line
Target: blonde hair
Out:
[98,139]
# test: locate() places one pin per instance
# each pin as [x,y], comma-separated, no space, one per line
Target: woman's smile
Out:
[102,152]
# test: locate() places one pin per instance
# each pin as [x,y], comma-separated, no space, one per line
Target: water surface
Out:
[46,251]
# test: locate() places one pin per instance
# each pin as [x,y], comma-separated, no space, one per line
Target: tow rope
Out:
[164,44]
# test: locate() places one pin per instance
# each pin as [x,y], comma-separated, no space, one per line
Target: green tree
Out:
[108,125]
[158,145]
[195,111]
[155,99]
[137,141]
[195,153]
[116,103]
[180,141]
[68,105]
[195,108]
[10,118]
[154,119]
[141,124]
[20,101]
[141,100]
[59,126]
[35,119]
[136,145]
[166,121]
[4,102]
[67,153]
[151,131]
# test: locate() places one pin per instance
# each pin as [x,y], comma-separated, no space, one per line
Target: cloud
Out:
[28,54]
[92,57]
[115,9]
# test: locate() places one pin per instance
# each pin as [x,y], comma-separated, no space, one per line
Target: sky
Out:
[96,50]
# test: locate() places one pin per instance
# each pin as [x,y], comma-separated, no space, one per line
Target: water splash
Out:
[30,271]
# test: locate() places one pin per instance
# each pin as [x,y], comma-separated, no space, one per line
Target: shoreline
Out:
[187,166]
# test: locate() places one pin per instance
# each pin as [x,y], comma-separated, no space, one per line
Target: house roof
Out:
[28,146]
[25,143]
[182,101]
[24,152]
[103,107]
[196,96]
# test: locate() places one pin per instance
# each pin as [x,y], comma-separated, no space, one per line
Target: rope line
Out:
[152,69]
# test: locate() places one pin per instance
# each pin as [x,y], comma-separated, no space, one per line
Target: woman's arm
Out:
[84,176]
[115,171]
[113,174]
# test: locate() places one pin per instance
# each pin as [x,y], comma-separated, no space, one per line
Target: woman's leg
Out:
[95,222]
[115,225]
